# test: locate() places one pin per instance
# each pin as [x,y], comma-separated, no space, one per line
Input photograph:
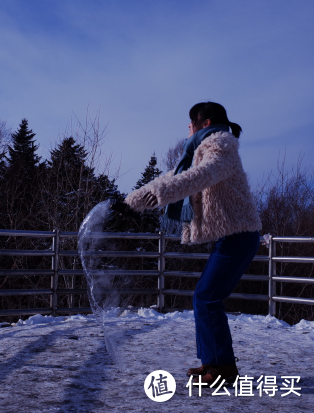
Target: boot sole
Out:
[194,375]
[229,381]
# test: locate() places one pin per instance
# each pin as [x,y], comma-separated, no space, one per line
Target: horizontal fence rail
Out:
[162,255]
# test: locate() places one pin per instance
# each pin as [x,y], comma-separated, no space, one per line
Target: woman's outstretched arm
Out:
[218,156]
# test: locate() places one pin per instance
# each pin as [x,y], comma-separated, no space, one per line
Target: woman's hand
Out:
[150,199]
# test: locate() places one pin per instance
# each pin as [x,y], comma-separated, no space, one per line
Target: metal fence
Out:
[162,255]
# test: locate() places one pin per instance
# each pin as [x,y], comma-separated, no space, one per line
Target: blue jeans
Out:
[229,259]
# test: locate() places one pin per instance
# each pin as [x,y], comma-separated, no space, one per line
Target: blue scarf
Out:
[182,211]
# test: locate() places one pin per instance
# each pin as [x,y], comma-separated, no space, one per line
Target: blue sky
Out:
[144,63]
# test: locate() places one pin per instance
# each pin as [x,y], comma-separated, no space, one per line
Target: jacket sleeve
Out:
[217,160]
[135,198]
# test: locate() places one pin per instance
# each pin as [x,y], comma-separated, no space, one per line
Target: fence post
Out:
[271,273]
[161,269]
[71,298]
[54,277]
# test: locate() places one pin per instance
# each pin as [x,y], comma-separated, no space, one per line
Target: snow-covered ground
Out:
[63,364]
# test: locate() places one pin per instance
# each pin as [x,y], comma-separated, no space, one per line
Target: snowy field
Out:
[64,364]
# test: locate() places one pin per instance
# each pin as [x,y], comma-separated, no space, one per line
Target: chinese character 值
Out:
[161,388]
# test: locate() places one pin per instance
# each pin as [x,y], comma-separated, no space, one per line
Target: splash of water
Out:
[88,247]
[99,280]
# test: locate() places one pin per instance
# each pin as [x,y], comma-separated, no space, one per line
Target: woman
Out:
[209,198]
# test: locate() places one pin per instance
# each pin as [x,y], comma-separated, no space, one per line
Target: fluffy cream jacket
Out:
[218,187]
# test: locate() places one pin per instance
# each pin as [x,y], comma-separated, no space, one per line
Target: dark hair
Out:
[216,113]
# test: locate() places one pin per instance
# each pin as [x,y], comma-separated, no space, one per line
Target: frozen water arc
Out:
[96,280]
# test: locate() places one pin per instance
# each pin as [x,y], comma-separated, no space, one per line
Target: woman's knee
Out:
[201,306]
[198,304]
[217,305]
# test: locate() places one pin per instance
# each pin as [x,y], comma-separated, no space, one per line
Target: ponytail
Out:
[236,129]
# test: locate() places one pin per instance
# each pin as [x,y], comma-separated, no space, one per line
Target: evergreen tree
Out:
[71,187]
[107,188]
[150,218]
[22,156]
[151,172]
[66,185]
[20,179]
[68,165]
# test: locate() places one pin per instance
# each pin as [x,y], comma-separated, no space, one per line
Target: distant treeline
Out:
[58,192]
